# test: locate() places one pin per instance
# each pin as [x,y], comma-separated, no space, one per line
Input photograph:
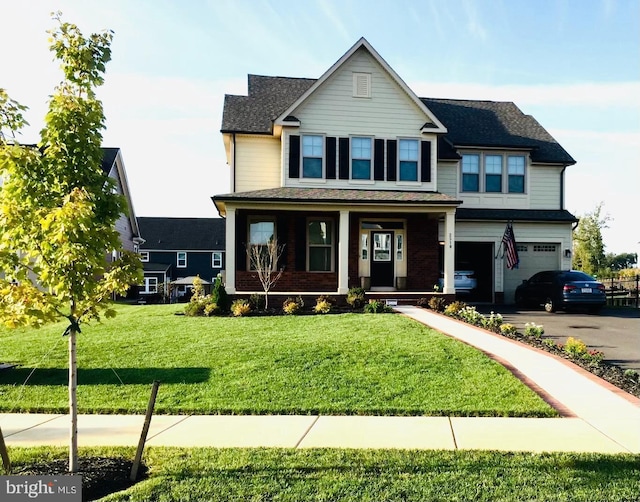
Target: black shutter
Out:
[301,243]
[330,146]
[282,231]
[241,241]
[294,156]
[392,146]
[425,167]
[378,160]
[344,158]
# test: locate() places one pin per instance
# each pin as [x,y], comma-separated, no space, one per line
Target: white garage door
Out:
[534,257]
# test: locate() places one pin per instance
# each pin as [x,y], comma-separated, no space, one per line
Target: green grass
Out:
[207,474]
[336,364]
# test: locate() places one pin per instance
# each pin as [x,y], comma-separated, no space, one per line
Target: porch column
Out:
[343,254]
[230,251]
[449,251]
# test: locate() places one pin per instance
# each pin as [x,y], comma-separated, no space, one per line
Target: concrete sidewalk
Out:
[600,417]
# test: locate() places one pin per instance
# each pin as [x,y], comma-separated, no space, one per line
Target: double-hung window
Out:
[150,285]
[471,173]
[515,172]
[493,173]
[320,239]
[144,256]
[408,168]
[312,147]
[361,158]
[181,259]
[262,233]
[216,259]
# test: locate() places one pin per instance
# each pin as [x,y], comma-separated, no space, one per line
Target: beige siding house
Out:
[367,184]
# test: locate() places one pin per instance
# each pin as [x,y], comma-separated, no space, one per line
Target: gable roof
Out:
[182,234]
[433,123]
[468,123]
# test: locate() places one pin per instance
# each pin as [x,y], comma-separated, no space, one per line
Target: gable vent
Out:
[362,85]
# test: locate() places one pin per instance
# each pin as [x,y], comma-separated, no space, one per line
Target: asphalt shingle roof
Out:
[337,195]
[558,215]
[189,234]
[469,122]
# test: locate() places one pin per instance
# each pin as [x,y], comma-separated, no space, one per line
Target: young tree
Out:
[264,260]
[588,246]
[58,209]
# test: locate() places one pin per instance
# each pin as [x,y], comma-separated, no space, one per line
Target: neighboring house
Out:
[127,225]
[176,248]
[367,184]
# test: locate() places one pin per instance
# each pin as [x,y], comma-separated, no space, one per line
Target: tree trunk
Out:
[73,403]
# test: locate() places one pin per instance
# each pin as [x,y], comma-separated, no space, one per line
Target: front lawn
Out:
[183,475]
[335,364]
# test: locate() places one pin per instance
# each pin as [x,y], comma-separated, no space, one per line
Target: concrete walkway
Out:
[598,417]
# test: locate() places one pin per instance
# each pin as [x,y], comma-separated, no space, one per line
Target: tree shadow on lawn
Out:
[105,376]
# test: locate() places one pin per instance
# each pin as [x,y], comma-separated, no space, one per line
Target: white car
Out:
[464,281]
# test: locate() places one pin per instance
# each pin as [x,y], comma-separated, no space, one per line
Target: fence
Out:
[622,292]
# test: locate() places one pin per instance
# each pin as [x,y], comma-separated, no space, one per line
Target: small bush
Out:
[376,307]
[292,306]
[241,308]
[437,303]
[323,304]
[595,357]
[212,309]
[534,330]
[549,343]
[199,306]
[575,348]
[508,329]
[471,316]
[257,301]
[453,309]
[632,374]
[492,323]
[422,302]
[355,297]
[219,295]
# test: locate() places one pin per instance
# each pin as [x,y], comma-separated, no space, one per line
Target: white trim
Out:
[142,254]
[395,77]
[178,253]
[213,259]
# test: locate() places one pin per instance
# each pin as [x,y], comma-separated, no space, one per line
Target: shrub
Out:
[219,294]
[292,306]
[492,323]
[241,307]
[575,348]
[453,309]
[355,297]
[508,329]
[212,309]
[437,303]
[533,329]
[595,357]
[632,374]
[198,306]
[376,307]
[257,301]
[471,315]
[422,302]
[549,343]
[323,304]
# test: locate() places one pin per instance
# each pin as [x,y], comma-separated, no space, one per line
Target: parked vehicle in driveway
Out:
[561,290]
[463,281]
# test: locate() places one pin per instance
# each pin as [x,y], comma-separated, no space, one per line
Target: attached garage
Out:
[534,257]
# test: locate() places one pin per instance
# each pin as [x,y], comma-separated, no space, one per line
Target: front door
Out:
[382,259]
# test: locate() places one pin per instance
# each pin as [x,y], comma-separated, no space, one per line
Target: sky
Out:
[572,64]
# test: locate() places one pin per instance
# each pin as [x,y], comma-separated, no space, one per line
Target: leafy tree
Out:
[588,246]
[617,262]
[58,209]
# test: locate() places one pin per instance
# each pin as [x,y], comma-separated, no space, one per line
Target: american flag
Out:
[510,249]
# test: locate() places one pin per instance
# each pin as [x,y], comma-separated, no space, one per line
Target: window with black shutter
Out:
[294,156]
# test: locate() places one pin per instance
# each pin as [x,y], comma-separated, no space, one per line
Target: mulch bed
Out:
[100,475]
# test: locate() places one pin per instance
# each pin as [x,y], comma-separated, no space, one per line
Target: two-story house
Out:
[178,248]
[367,184]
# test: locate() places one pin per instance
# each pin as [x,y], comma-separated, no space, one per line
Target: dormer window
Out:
[312,148]
[361,158]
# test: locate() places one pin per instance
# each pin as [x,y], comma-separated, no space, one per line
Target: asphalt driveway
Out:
[615,331]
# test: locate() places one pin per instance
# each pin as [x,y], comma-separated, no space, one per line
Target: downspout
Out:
[233,160]
[562,187]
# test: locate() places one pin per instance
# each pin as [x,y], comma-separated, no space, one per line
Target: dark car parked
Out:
[562,289]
